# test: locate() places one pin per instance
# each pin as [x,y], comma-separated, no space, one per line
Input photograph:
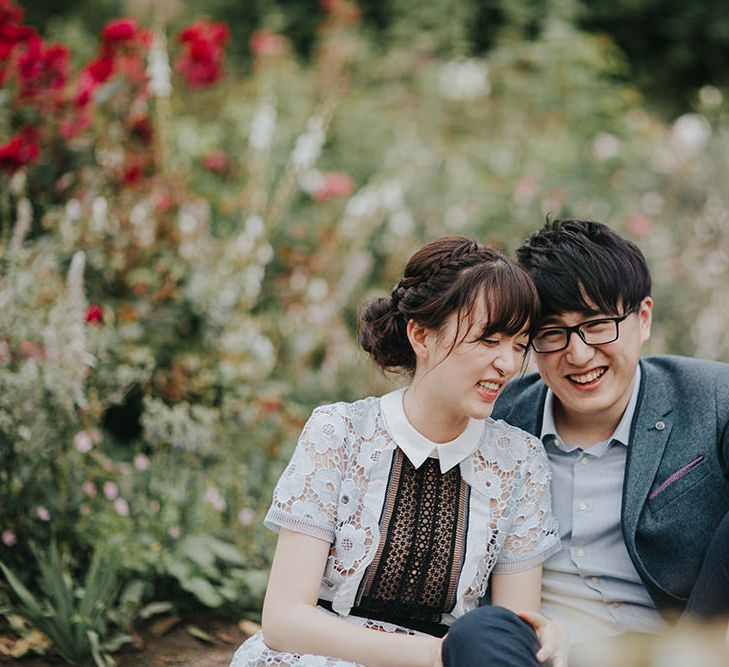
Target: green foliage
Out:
[74,619]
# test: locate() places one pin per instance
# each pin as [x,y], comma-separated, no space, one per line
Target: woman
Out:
[394,512]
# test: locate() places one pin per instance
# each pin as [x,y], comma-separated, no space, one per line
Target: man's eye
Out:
[550,334]
[598,326]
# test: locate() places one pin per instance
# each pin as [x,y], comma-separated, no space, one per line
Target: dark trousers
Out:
[490,637]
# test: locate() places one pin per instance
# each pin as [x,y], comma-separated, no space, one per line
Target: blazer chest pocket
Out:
[678,483]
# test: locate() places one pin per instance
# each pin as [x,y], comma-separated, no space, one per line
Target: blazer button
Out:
[660,426]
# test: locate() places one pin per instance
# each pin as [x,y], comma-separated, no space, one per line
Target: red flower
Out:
[334,185]
[94,315]
[132,175]
[22,149]
[217,162]
[266,43]
[119,30]
[202,61]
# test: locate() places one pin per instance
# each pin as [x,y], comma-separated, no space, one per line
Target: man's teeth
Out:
[489,386]
[587,377]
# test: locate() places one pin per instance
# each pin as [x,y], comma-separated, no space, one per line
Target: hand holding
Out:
[552,636]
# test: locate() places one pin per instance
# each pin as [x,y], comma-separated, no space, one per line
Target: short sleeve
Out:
[533,536]
[306,496]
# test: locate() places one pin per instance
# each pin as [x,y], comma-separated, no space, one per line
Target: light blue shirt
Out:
[591,585]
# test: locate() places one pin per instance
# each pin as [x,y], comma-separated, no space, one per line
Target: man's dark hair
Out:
[584,266]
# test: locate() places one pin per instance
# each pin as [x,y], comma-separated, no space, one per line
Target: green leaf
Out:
[154,608]
[203,591]
[225,551]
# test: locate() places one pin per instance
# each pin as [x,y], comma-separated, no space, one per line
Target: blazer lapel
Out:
[650,431]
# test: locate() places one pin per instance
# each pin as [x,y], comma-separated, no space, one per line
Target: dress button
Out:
[594,580]
[660,426]
[616,604]
[583,460]
[580,553]
[582,507]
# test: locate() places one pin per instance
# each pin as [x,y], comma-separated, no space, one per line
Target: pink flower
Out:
[141,462]
[9,538]
[174,532]
[111,490]
[215,499]
[121,507]
[266,43]
[83,442]
[42,513]
[246,516]
[334,185]
[217,162]
[95,436]
[89,488]
[640,225]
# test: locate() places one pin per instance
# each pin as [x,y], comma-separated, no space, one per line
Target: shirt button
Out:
[583,460]
[580,552]
[582,507]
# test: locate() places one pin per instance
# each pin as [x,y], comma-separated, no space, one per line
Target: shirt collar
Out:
[622,430]
[417,447]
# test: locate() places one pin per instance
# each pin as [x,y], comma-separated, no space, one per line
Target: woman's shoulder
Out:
[351,415]
[510,447]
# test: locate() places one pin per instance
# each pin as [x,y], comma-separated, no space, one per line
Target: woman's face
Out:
[465,374]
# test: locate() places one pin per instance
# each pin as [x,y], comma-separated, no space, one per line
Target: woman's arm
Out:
[292,622]
[521,592]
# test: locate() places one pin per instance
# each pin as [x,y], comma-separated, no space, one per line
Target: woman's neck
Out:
[426,413]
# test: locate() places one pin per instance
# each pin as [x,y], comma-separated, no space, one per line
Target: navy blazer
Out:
[676,486]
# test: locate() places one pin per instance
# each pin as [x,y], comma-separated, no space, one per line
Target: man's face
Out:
[595,380]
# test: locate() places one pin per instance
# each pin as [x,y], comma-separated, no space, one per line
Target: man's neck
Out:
[587,430]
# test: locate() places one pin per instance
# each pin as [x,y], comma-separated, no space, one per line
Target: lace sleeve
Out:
[533,534]
[306,495]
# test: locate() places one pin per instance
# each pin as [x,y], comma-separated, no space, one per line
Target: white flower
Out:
[463,81]
[83,442]
[605,146]
[309,144]
[263,126]
[158,68]
[326,485]
[691,132]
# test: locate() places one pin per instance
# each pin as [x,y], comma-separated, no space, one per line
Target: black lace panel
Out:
[415,572]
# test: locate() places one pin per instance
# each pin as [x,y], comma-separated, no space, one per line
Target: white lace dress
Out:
[363,479]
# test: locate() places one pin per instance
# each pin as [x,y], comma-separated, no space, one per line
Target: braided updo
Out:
[446,276]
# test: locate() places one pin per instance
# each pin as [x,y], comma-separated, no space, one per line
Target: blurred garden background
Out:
[195,198]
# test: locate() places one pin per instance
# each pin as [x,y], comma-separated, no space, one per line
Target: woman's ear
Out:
[419,338]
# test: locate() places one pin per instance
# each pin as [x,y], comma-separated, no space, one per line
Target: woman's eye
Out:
[490,342]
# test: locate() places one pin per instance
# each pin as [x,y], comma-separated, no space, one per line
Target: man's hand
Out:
[552,636]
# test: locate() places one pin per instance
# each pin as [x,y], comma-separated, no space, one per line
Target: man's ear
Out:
[645,315]
[419,339]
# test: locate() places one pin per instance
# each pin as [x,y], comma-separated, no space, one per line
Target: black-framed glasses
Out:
[593,332]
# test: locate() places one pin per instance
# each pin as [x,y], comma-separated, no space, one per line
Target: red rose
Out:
[334,185]
[94,315]
[22,149]
[202,61]
[132,175]
[119,30]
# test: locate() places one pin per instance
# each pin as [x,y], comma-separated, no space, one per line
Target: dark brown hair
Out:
[447,276]
[584,266]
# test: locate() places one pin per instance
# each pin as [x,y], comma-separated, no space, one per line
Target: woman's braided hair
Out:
[446,276]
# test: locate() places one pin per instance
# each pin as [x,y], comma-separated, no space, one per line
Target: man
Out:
[639,449]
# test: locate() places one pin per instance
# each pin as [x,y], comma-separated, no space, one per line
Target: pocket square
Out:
[676,475]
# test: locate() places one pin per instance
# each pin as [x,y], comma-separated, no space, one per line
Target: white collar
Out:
[622,430]
[417,447]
